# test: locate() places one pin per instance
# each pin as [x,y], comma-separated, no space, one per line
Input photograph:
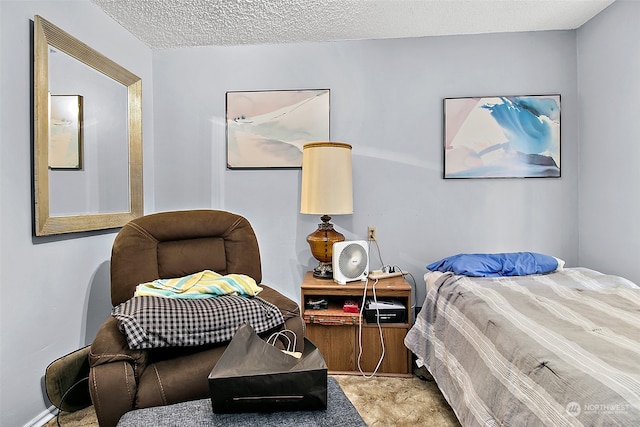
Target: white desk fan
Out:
[350,261]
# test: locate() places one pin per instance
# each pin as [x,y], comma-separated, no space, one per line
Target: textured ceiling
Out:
[165,24]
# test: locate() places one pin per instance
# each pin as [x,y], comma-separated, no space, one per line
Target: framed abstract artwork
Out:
[267,129]
[65,132]
[502,137]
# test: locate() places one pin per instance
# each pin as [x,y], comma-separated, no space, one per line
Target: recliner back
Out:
[174,244]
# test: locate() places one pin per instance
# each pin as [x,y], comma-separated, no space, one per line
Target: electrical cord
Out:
[378,250]
[65,395]
[388,269]
[375,300]
[413,288]
[394,268]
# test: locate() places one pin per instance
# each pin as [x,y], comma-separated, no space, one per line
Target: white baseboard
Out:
[43,417]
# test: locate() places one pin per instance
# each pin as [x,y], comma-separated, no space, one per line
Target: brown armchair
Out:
[167,245]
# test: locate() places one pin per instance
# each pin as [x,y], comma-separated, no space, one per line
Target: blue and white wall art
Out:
[502,137]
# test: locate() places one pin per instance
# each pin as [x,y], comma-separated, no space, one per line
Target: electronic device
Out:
[316,303]
[350,261]
[384,311]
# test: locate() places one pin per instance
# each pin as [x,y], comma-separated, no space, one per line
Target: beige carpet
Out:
[381,402]
[399,402]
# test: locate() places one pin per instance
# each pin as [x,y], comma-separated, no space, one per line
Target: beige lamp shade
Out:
[326,179]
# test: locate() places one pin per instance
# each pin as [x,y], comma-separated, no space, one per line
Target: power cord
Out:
[64,396]
[375,300]
[392,269]
[378,250]
[413,288]
[386,269]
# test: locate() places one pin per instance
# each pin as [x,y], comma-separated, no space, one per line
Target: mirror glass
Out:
[88,136]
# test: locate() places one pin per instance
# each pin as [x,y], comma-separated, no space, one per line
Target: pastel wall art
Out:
[267,129]
[502,137]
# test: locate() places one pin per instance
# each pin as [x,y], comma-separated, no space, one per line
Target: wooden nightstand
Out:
[336,333]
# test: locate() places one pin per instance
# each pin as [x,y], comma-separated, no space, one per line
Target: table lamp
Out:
[326,190]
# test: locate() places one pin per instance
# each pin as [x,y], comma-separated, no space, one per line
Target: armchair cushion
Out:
[153,322]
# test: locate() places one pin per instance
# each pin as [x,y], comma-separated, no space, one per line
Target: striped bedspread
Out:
[561,349]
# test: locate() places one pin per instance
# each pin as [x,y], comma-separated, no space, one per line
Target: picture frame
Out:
[267,129]
[65,131]
[502,137]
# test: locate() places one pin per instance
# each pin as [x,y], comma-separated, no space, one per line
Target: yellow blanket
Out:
[205,284]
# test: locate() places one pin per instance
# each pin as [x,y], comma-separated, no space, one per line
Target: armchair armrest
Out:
[110,345]
[113,390]
[114,373]
[290,311]
[287,306]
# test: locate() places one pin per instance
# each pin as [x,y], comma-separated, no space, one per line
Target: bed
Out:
[555,349]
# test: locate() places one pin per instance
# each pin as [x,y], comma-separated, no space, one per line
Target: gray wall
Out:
[609,88]
[386,101]
[54,292]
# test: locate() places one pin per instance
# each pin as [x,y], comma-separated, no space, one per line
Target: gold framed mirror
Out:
[102,187]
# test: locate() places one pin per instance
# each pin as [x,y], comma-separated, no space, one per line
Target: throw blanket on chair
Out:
[152,322]
[205,284]
[199,309]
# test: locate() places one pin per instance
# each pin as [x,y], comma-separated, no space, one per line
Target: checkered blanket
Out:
[151,322]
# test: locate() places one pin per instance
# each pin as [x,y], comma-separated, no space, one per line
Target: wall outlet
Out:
[371,233]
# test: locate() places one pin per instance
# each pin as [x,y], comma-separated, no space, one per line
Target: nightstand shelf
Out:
[337,334]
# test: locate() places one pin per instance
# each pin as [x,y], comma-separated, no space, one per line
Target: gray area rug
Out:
[339,411]
[381,402]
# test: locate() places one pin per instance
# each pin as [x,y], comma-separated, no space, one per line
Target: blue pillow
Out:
[494,265]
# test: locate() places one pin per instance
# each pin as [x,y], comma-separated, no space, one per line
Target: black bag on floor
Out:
[254,376]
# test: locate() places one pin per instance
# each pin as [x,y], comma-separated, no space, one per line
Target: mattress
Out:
[559,349]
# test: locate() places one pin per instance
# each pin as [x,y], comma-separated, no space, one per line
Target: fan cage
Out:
[353,261]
